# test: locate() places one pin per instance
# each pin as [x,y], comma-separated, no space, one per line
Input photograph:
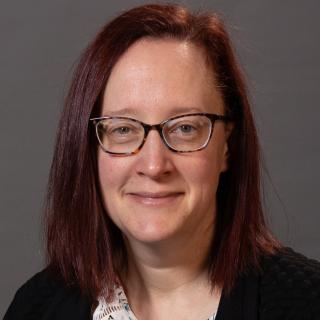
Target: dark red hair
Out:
[83,245]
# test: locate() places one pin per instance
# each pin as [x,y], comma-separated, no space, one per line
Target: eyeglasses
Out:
[184,133]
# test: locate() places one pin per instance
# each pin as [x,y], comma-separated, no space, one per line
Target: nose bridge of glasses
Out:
[149,127]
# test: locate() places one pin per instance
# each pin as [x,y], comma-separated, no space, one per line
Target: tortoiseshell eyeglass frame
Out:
[159,127]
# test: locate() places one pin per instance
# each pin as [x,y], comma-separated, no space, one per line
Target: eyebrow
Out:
[122,112]
[133,112]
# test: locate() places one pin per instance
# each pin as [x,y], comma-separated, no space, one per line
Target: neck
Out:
[168,266]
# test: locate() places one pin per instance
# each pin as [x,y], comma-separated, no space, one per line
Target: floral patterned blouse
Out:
[118,309]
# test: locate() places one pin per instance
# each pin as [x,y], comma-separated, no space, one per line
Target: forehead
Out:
[160,76]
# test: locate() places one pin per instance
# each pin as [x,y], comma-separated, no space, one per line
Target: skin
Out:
[164,202]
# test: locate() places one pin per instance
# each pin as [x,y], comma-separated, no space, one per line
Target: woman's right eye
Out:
[121,130]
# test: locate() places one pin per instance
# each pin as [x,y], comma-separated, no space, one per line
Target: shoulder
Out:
[289,286]
[45,296]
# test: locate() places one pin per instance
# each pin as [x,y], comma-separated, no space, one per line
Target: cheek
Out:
[112,172]
[205,176]
[204,169]
[202,172]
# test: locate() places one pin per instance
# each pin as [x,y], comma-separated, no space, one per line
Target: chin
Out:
[150,235]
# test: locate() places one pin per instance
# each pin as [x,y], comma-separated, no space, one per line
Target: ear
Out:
[225,161]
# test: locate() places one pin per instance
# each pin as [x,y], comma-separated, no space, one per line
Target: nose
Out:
[154,159]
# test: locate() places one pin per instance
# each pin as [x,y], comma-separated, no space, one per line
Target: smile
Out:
[156,199]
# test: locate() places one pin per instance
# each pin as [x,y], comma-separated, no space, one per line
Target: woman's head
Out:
[183,61]
[158,194]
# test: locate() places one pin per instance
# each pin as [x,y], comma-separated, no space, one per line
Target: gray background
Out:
[277,43]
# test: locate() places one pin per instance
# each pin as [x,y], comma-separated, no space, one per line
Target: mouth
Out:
[155,198]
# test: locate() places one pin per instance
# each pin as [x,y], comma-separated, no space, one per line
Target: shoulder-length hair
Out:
[83,245]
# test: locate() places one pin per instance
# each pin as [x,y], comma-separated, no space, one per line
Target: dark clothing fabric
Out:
[288,288]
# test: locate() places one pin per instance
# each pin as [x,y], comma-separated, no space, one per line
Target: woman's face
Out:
[158,194]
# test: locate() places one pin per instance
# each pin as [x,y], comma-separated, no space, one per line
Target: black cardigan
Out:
[287,289]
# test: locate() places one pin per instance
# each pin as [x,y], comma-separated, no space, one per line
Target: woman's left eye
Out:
[186,128]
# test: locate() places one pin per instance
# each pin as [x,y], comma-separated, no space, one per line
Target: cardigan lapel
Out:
[242,303]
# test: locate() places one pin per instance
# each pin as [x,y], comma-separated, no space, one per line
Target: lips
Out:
[155,194]
[155,198]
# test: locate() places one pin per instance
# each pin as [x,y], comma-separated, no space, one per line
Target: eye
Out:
[186,128]
[121,130]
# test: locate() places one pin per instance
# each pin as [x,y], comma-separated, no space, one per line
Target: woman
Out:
[153,207]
